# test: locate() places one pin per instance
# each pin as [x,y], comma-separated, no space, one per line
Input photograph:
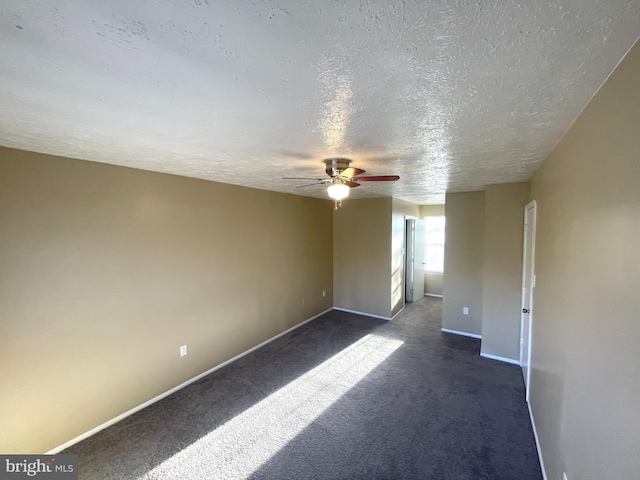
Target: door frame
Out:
[526,319]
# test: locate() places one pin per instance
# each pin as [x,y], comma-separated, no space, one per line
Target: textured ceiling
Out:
[451,96]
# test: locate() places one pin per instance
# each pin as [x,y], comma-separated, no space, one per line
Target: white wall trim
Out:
[433,295]
[364,313]
[535,435]
[465,334]
[501,359]
[532,205]
[126,414]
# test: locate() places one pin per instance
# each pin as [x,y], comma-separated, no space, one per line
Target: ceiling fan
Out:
[342,178]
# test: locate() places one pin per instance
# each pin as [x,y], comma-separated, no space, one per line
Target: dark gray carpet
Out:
[427,408]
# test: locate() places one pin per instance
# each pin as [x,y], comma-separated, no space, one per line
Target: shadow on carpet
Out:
[342,397]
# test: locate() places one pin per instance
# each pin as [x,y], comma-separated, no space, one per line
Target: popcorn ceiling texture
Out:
[451,96]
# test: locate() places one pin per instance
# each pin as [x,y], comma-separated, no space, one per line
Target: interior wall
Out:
[585,370]
[502,269]
[433,283]
[362,256]
[463,262]
[105,271]
[431,211]
[401,210]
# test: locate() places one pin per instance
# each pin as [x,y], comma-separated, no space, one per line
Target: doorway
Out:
[414,259]
[528,284]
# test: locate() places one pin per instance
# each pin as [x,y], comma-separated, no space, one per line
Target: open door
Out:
[409,238]
[528,284]
[420,262]
[415,261]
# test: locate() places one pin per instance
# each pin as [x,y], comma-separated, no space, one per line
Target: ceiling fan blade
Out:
[351,172]
[302,178]
[310,184]
[351,184]
[378,178]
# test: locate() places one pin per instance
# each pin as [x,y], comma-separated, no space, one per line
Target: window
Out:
[434,242]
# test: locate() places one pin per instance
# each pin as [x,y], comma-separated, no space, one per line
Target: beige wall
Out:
[105,271]
[362,256]
[585,379]
[401,210]
[433,283]
[431,211]
[502,269]
[463,262]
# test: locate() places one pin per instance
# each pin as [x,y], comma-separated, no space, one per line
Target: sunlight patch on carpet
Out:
[240,446]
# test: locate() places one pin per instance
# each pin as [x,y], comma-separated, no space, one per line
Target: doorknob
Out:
[526,310]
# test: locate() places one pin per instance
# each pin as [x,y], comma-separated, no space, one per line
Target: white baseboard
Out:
[363,313]
[535,435]
[465,334]
[124,415]
[501,359]
[432,295]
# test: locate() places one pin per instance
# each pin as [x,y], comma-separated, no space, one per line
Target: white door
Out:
[410,260]
[419,260]
[528,284]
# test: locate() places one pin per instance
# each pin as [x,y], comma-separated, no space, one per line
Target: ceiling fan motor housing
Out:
[335,166]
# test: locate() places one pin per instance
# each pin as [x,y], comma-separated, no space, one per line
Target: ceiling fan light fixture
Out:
[338,191]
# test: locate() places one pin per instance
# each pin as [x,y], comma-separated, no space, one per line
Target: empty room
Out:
[332,239]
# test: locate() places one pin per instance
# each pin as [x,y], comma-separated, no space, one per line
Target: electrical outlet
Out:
[324,293]
[303,301]
[183,350]
[465,310]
